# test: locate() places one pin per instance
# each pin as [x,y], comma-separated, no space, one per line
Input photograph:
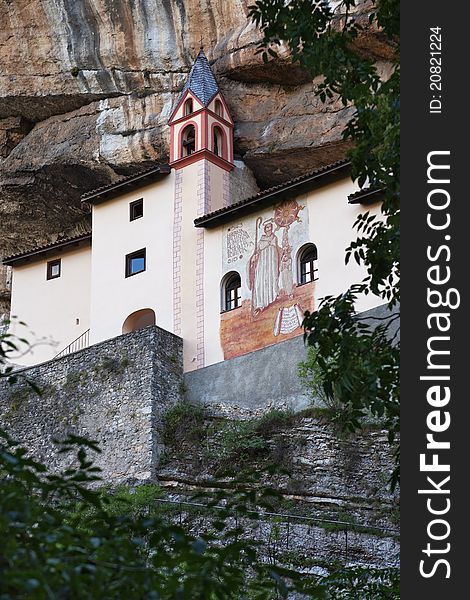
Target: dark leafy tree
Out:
[359,362]
[61,539]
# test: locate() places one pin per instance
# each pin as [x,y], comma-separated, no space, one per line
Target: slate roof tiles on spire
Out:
[201,81]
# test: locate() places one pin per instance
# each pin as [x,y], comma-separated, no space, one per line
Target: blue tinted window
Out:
[135,262]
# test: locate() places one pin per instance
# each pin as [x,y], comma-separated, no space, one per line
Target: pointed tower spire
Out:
[201,81]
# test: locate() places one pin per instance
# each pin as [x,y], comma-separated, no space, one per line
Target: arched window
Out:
[231,291]
[307,264]
[138,320]
[218,141]
[188,140]
[188,107]
[219,108]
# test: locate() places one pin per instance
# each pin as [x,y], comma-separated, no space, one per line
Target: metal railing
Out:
[83,341]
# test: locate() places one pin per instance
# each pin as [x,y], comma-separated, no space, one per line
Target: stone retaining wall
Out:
[113,392]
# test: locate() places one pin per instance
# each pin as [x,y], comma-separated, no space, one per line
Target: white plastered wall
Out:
[212,295]
[330,228]
[114,297]
[50,308]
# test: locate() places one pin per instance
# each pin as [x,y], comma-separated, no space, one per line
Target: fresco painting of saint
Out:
[272,305]
[264,268]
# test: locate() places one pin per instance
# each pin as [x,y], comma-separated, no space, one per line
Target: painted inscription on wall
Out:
[237,243]
[263,250]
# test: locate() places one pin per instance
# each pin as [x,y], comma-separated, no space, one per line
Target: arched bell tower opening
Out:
[218,108]
[138,320]
[188,106]
[218,141]
[188,141]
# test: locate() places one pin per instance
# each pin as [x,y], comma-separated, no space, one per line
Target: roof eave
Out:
[122,187]
[45,251]
[276,195]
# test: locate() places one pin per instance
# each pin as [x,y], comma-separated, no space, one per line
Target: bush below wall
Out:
[300,455]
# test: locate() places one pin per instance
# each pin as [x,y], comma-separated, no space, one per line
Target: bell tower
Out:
[201,155]
[201,126]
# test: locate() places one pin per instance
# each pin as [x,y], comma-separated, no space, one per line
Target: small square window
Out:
[53,269]
[135,263]
[136,209]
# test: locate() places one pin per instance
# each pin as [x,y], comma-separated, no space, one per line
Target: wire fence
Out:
[282,533]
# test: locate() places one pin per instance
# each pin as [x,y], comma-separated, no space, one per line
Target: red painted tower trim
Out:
[200,154]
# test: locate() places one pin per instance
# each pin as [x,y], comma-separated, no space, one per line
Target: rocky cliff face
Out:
[87,86]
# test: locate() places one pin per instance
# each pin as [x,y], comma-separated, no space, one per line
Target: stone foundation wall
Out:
[330,473]
[113,392]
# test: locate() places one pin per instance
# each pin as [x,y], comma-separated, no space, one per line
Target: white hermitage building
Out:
[169,247]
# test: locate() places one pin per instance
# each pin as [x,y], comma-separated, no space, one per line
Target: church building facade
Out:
[169,246]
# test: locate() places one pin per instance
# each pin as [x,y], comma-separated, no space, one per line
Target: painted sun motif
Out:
[287,213]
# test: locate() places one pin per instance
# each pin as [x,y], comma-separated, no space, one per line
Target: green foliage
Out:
[122,501]
[313,378]
[361,583]
[233,444]
[61,539]
[186,424]
[239,442]
[273,420]
[111,365]
[18,397]
[183,424]
[103,552]
[74,379]
[138,500]
[9,350]
[359,364]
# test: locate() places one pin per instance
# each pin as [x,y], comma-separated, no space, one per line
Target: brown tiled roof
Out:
[365,196]
[295,186]
[48,249]
[125,184]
